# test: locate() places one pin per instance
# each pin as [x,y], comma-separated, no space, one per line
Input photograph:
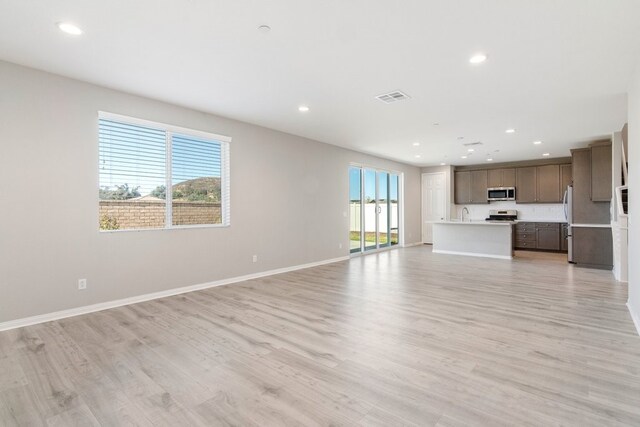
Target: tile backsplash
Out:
[531,212]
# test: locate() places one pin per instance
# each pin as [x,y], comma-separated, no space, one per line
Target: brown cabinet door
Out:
[601,173]
[548,184]
[462,186]
[565,177]
[592,247]
[494,178]
[509,177]
[526,185]
[548,238]
[584,210]
[479,187]
[564,237]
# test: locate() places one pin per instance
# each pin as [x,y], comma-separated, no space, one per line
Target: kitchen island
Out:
[491,239]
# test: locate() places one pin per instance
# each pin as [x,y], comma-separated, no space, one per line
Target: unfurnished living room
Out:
[319,213]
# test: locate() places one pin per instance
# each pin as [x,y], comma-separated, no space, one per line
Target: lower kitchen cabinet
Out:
[592,247]
[539,235]
[548,238]
[564,237]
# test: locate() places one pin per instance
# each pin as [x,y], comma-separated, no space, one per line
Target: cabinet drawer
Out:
[525,226]
[548,225]
[528,230]
[526,236]
[525,244]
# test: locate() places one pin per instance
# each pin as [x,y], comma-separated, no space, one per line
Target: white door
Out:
[434,201]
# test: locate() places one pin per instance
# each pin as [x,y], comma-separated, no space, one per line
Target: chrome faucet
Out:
[464,209]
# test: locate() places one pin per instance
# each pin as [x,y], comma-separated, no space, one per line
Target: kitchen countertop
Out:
[592,225]
[475,222]
[558,221]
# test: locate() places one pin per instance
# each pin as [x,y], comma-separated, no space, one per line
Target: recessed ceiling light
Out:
[416,144]
[443,164]
[463,157]
[264,28]
[510,131]
[303,108]
[471,150]
[478,58]
[69,28]
[417,156]
[537,142]
[489,159]
[545,154]
[436,124]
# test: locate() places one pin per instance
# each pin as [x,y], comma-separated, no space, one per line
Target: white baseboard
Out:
[635,317]
[41,318]
[440,251]
[408,245]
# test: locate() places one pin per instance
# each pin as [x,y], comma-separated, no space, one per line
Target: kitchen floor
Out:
[539,256]
[402,337]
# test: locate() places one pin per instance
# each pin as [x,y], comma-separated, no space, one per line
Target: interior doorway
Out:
[434,202]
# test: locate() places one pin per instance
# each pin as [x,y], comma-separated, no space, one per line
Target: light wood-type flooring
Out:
[404,337]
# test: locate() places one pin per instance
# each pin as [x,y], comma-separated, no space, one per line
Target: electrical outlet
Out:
[255,258]
[82,284]
[339,245]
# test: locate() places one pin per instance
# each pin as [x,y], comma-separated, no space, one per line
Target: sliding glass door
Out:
[373,209]
[383,209]
[394,211]
[370,218]
[355,209]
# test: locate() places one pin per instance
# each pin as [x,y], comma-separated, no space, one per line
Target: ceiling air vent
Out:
[390,97]
[471,144]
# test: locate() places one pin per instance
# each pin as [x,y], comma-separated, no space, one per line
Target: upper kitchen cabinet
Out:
[585,210]
[548,184]
[479,186]
[539,184]
[526,183]
[470,187]
[565,177]
[601,173]
[462,187]
[501,177]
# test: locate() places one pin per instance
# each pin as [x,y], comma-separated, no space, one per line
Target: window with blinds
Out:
[143,165]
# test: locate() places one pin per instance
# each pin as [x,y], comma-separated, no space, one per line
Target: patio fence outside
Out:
[136,214]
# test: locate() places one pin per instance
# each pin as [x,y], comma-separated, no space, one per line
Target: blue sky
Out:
[136,155]
[369,184]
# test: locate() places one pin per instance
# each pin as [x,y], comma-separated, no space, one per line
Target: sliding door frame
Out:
[400,202]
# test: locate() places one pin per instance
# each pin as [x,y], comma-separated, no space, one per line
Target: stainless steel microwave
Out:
[501,193]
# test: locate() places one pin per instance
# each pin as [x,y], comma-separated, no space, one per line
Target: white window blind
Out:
[144,164]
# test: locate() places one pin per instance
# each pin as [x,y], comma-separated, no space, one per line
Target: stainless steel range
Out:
[504,215]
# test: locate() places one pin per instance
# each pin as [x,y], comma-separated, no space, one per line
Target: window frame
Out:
[225,167]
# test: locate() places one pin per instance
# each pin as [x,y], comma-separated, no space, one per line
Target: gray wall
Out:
[288,194]
[634,196]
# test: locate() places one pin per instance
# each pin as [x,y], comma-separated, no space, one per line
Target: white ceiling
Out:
[557,70]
